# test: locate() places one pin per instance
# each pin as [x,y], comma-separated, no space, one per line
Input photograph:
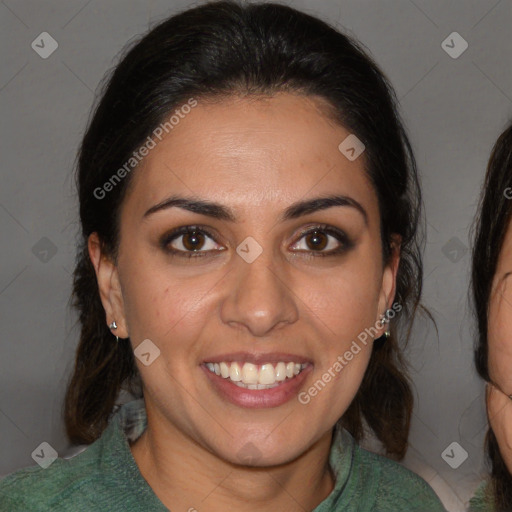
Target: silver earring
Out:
[385,319]
[113,325]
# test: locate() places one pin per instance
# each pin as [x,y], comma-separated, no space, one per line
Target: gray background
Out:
[454,110]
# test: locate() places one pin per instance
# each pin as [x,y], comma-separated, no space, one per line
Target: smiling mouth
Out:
[252,376]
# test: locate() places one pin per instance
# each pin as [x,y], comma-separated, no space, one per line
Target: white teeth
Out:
[280,371]
[234,372]
[255,386]
[251,376]
[267,374]
[224,370]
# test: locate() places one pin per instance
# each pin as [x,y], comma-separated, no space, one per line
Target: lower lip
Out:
[257,398]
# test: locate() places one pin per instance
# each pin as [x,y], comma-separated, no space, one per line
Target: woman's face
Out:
[257,293]
[500,318]
[499,405]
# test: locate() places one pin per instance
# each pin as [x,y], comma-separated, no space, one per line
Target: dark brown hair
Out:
[492,221]
[231,48]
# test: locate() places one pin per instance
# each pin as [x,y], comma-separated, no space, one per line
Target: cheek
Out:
[159,303]
[346,301]
[499,334]
[344,309]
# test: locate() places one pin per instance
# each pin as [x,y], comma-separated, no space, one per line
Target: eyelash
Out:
[345,243]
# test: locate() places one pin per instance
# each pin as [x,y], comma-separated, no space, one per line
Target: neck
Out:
[185,476]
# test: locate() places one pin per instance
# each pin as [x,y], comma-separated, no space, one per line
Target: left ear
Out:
[388,286]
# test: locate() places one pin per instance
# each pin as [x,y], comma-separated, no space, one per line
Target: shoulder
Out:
[395,487]
[64,481]
[482,500]
[104,476]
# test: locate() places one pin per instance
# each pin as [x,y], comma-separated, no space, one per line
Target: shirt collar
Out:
[131,420]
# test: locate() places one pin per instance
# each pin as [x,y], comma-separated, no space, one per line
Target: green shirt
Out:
[105,477]
[482,500]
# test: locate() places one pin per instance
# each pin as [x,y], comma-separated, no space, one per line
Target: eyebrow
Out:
[221,212]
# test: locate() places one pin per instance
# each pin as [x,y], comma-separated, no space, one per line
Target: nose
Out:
[259,297]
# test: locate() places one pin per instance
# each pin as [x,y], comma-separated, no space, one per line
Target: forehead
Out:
[252,153]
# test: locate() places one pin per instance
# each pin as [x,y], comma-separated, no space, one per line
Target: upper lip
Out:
[258,359]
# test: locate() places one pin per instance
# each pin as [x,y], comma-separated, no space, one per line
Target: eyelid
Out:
[344,241]
[176,233]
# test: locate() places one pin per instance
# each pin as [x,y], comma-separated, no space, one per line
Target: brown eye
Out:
[189,241]
[193,241]
[316,240]
[323,240]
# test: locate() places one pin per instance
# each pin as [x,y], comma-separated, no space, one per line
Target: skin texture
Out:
[499,405]
[256,156]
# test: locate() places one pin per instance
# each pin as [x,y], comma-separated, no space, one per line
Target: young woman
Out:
[492,293]
[249,206]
